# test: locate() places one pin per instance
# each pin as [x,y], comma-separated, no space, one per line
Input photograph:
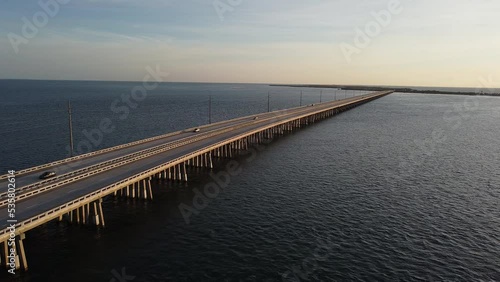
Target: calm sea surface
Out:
[404,188]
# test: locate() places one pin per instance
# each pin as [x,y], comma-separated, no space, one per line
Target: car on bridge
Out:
[47,174]
[196,130]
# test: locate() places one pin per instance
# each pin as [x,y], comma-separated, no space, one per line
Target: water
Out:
[402,188]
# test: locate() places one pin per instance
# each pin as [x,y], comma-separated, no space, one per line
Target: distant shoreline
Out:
[379,88]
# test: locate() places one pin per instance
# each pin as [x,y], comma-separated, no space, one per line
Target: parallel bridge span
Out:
[127,170]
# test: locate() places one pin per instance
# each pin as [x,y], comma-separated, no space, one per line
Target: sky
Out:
[364,42]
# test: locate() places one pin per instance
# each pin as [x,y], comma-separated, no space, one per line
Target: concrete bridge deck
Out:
[127,170]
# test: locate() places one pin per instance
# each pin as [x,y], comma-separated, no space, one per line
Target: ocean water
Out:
[404,188]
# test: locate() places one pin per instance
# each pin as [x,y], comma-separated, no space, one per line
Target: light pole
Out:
[209,109]
[335,93]
[70,123]
[268,102]
[321,96]
[301,98]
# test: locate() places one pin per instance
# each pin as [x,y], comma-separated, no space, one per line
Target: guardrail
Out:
[51,164]
[114,164]
[82,170]
[79,174]
[120,184]
[114,148]
[108,162]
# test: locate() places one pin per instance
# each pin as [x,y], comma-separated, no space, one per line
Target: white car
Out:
[196,130]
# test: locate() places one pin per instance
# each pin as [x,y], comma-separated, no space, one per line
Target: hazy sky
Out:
[428,43]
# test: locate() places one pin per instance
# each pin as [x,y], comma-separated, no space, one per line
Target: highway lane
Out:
[32,177]
[46,201]
[110,163]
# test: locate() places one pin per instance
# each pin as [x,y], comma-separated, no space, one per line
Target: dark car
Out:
[47,174]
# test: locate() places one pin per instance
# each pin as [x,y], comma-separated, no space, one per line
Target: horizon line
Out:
[256,83]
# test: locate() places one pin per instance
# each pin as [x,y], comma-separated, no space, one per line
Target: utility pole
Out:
[209,109]
[301,98]
[70,123]
[268,102]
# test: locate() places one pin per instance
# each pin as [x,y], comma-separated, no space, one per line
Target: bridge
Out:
[76,193]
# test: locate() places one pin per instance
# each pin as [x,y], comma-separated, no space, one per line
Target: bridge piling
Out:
[84,214]
[150,190]
[19,260]
[101,214]
[185,171]
[210,162]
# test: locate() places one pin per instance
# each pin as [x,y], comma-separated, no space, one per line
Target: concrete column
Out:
[210,163]
[78,215]
[88,211]
[150,190]
[96,214]
[101,214]
[84,216]
[185,172]
[21,255]
[144,189]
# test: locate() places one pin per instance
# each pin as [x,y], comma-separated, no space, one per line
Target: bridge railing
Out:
[92,196]
[86,155]
[131,158]
[114,148]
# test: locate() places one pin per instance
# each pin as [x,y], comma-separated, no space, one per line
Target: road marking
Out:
[31,206]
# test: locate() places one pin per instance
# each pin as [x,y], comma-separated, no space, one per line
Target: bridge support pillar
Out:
[84,214]
[96,214]
[21,252]
[210,163]
[19,260]
[179,172]
[184,171]
[150,190]
[144,189]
